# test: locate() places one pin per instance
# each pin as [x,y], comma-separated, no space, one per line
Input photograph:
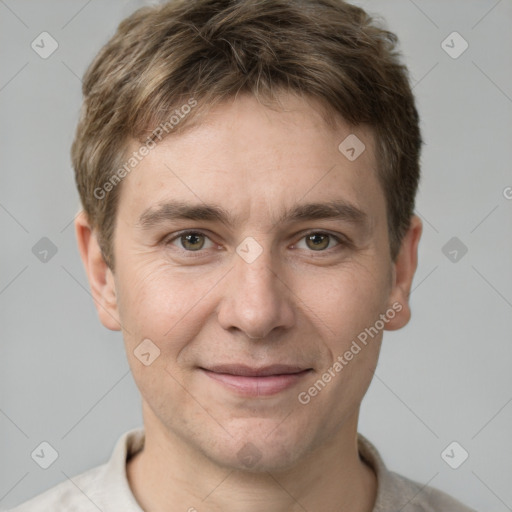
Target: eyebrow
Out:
[177,210]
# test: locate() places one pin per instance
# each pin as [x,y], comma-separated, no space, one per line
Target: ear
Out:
[101,278]
[404,269]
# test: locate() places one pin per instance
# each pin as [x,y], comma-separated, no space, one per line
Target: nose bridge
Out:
[258,301]
[257,275]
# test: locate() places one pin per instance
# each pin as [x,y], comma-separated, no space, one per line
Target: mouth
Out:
[249,381]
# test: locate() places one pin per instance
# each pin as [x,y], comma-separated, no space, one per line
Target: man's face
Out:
[235,298]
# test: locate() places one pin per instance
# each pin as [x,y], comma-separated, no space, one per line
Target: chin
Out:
[258,450]
[253,459]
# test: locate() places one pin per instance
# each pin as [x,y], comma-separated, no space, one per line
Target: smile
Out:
[254,382]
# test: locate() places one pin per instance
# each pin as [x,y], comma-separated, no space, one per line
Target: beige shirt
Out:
[105,488]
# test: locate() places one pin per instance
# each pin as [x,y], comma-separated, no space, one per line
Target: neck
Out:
[169,475]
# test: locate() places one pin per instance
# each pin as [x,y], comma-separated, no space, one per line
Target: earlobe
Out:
[101,279]
[404,269]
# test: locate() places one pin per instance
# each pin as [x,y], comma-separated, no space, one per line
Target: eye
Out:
[191,241]
[195,241]
[319,241]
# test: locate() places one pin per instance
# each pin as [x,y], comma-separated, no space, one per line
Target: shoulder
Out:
[103,487]
[418,497]
[76,494]
[396,492]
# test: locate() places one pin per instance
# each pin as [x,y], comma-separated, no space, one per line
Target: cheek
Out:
[347,300]
[161,303]
[355,304]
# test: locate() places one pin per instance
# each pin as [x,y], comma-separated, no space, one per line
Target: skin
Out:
[294,304]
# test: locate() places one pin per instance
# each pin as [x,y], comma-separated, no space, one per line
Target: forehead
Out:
[261,161]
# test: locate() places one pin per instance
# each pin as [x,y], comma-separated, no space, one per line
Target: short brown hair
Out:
[211,50]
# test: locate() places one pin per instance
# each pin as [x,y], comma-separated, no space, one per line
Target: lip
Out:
[264,381]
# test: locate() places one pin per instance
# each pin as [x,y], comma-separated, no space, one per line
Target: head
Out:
[230,120]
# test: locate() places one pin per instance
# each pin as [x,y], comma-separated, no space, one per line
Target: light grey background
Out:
[446,376]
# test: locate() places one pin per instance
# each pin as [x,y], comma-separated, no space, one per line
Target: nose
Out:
[257,299]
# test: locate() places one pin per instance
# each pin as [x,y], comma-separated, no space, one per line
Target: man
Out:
[247,172]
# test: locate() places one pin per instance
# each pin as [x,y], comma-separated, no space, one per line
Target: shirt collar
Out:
[115,493]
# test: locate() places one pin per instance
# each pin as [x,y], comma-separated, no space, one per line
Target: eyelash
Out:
[341,241]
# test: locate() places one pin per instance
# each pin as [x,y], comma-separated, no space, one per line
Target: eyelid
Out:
[174,236]
[341,239]
[338,236]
